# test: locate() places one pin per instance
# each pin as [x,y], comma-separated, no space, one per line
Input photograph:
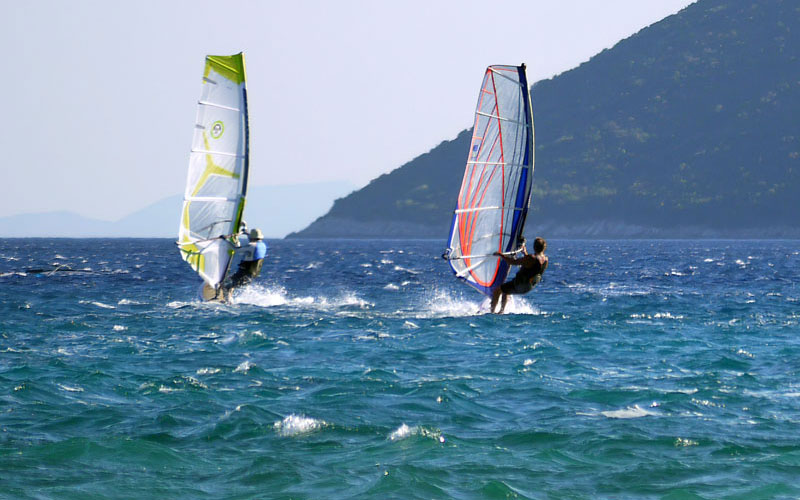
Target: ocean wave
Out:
[406,270]
[71,388]
[658,315]
[208,371]
[13,273]
[270,297]
[634,411]
[404,431]
[180,304]
[244,367]
[128,302]
[444,305]
[611,290]
[98,304]
[256,295]
[295,425]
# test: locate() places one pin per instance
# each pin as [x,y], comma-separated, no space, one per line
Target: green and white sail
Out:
[214,199]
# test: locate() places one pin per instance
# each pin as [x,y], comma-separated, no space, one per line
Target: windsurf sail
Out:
[216,185]
[495,193]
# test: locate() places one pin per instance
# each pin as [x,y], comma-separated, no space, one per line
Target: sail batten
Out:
[502,118]
[220,106]
[493,202]
[223,153]
[218,166]
[479,209]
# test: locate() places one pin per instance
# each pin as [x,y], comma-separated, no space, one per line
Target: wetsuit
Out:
[526,279]
[250,269]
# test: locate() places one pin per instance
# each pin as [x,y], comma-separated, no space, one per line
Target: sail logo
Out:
[217,128]
[476,148]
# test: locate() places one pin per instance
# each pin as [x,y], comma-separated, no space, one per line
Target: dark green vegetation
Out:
[690,127]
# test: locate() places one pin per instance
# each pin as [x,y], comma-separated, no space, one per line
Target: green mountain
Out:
[688,128]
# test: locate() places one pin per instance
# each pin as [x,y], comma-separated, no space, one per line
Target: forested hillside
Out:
[688,128]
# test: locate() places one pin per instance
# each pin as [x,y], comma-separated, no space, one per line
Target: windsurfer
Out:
[529,275]
[250,267]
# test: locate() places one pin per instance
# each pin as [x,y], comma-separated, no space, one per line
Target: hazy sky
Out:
[100,96]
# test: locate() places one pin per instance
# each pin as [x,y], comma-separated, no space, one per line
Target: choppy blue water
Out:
[361,369]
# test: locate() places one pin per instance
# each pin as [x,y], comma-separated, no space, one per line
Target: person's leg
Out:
[503,303]
[495,295]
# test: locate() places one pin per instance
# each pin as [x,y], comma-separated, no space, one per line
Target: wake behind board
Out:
[486,305]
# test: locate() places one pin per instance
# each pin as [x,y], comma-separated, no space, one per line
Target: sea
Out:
[363,369]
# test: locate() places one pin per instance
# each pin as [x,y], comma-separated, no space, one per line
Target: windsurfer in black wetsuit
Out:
[530,274]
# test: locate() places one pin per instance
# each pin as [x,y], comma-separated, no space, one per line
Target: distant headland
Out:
[686,129]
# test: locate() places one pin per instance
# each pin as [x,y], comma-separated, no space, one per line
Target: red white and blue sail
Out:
[495,194]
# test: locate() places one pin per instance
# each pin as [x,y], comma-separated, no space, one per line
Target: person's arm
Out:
[511,260]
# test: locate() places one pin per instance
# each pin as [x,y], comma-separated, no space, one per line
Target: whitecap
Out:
[346,299]
[403,269]
[128,302]
[256,295]
[402,432]
[208,371]
[391,286]
[518,305]
[178,304]
[667,315]
[195,383]
[294,425]
[70,388]
[634,411]
[98,304]
[244,367]
[410,325]
[120,328]
[443,305]
[658,315]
